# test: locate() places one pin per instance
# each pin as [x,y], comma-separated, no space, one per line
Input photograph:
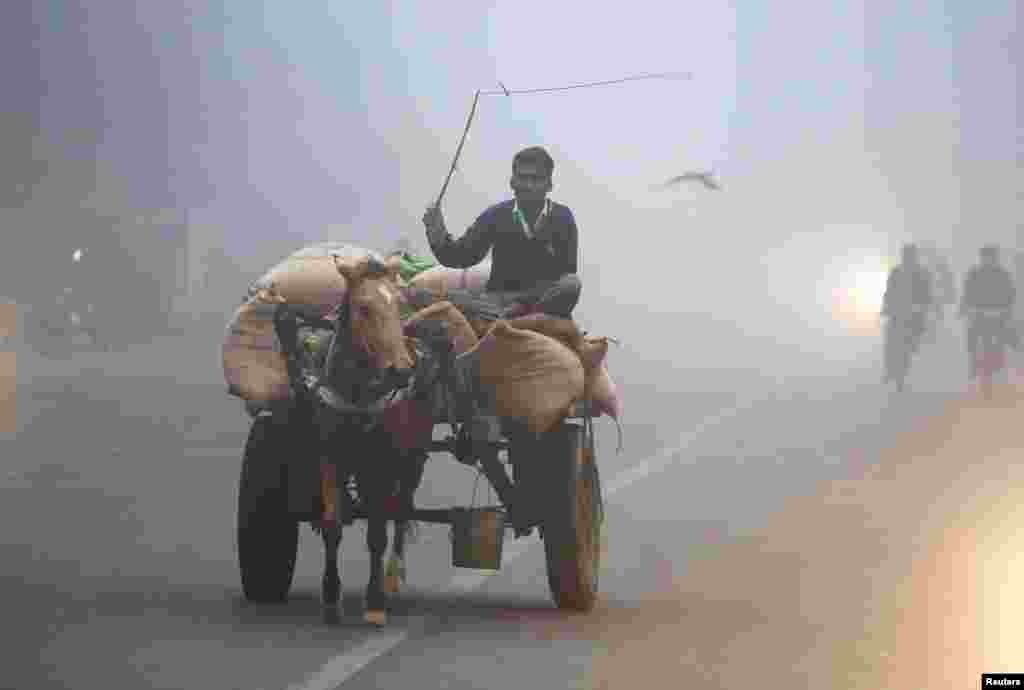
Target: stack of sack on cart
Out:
[537,367]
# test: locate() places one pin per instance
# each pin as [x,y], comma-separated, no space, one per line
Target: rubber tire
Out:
[991,365]
[572,529]
[268,536]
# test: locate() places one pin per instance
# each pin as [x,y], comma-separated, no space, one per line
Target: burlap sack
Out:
[474,278]
[593,350]
[435,279]
[599,387]
[8,324]
[342,250]
[254,367]
[8,392]
[532,377]
[312,282]
[309,280]
[601,390]
[440,279]
[564,331]
[463,337]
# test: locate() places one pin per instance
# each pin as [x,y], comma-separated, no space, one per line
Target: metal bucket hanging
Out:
[478,538]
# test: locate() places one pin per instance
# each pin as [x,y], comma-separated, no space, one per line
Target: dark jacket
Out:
[518,262]
[907,286]
[988,287]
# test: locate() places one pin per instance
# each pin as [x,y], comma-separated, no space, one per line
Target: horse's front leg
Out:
[331,583]
[331,530]
[395,572]
[376,543]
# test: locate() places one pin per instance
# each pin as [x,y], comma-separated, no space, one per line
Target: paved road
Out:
[116,531]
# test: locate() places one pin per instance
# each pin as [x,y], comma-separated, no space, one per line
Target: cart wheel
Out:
[268,537]
[572,528]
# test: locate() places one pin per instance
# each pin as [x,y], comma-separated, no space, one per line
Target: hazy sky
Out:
[839,128]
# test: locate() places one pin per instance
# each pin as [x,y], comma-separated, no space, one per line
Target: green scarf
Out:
[411,265]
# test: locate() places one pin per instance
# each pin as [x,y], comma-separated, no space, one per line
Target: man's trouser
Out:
[555,297]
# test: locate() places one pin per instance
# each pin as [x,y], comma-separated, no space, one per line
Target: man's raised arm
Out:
[468,250]
[569,249]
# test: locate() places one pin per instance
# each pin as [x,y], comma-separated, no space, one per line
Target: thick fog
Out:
[838,132]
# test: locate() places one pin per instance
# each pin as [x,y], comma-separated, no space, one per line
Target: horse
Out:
[372,367]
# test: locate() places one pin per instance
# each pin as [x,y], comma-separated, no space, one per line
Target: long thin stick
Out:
[458,151]
[660,75]
[506,92]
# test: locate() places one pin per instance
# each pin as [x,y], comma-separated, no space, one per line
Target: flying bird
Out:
[705,178]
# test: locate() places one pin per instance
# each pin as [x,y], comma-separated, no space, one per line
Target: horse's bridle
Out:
[343,360]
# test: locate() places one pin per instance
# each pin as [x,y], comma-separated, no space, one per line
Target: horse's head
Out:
[375,325]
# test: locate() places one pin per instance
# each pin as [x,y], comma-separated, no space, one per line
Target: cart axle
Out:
[437,516]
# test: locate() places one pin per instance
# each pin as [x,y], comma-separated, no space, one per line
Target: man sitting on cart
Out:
[534,242]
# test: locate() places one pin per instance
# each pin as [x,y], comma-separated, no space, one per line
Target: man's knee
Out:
[562,297]
[571,283]
[567,289]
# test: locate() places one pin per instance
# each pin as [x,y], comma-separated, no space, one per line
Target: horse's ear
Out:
[270,295]
[350,269]
[394,267]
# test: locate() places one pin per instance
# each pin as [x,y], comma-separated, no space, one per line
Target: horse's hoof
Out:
[376,617]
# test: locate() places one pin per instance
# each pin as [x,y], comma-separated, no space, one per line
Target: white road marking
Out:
[343,666]
[667,456]
[468,581]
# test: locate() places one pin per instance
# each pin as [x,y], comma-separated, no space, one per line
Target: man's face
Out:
[530,182]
